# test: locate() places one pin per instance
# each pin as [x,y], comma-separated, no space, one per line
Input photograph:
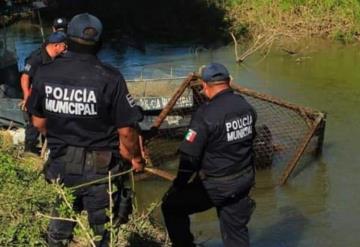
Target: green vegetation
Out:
[22,193]
[209,22]
[337,19]
[26,201]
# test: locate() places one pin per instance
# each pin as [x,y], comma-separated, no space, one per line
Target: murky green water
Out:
[320,205]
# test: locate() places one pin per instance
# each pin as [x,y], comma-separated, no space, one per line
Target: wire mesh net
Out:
[283,130]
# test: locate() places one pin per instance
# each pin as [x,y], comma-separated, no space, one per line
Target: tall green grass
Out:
[330,18]
[24,195]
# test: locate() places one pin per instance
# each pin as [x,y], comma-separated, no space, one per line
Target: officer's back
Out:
[87,114]
[78,89]
[230,119]
[85,101]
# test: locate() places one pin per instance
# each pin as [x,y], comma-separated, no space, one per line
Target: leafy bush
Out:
[297,18]
[23,193]
[26,201]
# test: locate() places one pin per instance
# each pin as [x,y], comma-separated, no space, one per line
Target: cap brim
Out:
[218,81]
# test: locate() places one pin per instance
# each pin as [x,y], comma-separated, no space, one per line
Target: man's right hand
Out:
[22,104]
[138,164]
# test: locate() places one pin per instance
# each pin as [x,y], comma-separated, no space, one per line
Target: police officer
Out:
[60,25]
[87,114]
[53,47]
[218,149]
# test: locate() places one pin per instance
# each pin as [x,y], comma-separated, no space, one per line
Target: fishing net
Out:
[285,132]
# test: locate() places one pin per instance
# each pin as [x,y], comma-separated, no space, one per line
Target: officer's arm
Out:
[187,166]
[25,86]
[130,147]
[40,124]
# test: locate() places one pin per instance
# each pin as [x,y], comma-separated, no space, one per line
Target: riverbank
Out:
[209,23]
[333,19]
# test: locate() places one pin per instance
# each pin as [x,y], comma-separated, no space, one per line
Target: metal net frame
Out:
[285,132]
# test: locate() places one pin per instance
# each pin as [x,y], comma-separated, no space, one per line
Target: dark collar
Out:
[223,92]
[45,58]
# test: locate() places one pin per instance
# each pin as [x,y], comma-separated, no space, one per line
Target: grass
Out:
[26,201]
[335,19]
[22,194]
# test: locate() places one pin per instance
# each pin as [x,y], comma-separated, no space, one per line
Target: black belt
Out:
[241,173]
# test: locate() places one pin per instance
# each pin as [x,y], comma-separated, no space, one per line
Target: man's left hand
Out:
[22,105]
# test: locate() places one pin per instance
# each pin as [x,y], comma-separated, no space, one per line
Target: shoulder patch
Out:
[130,100]
[190,135]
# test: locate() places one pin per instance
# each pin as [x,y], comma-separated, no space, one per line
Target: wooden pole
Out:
[160,173]
[169,106]
[321,136]
[41,25]
[43,149]
[293,163]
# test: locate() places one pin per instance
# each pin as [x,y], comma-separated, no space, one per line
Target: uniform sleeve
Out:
[196,136]
[35,103]
[124,110]
[32,63]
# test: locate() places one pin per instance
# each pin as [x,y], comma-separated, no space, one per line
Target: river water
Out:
[319,206]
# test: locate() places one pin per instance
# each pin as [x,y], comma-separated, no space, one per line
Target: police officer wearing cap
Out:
[53,47]
[84,108]
[218,149]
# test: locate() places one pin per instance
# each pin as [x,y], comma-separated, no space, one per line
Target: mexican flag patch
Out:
[190,135]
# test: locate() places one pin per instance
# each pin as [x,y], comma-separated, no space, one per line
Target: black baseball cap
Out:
[60,24]
[85,28]
[56,37]
[215,72]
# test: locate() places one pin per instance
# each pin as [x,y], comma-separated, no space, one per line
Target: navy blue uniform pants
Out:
[234,214]
[31,133]
[74,168]
[95,200]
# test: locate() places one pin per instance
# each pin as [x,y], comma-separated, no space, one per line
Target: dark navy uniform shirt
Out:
[35,60]
[84,102]
[221,134]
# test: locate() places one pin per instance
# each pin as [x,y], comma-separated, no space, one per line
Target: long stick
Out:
[236,48]
[43,149]
[161,173]
[169,106]
[41,25]
[293,163]
[154,171]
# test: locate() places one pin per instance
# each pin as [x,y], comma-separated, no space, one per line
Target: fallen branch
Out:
[55,218]
[257,46]
[235,47]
